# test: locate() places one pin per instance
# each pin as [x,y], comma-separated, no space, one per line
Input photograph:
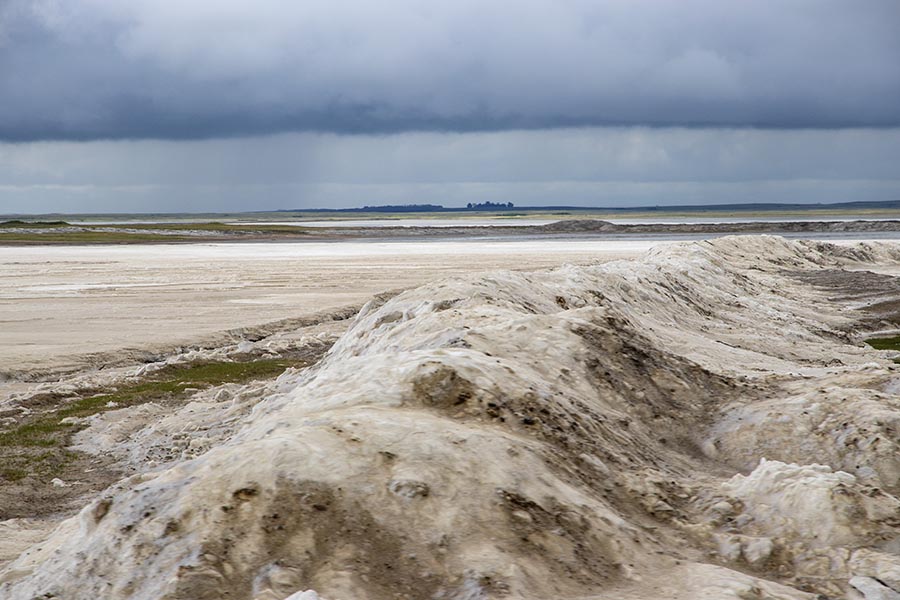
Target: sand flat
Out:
[61,303]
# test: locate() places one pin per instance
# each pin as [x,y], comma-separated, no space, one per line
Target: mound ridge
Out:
[580,433]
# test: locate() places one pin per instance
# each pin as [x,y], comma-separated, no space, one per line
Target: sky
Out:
[227,105]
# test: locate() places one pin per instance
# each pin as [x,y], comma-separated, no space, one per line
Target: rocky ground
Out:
[701,422]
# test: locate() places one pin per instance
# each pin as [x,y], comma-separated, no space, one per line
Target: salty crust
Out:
[565,434]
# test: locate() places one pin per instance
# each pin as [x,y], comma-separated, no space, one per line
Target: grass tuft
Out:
[20,224]
[50,232]
[37,447]
[885,343]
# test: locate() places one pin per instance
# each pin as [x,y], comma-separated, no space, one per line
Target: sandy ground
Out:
[700,423]
[60,304]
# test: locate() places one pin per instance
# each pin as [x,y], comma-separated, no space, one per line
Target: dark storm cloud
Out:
[91,69]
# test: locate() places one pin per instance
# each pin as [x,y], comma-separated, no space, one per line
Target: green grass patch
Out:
[91,237]
[13,473]
[35,463]
[137,234]
[37,446]
[885,343]
[20,224]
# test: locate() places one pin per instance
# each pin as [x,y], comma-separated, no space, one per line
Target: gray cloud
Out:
[172,69]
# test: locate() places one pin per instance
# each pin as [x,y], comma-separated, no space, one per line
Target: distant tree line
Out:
[858,205]
[489,205]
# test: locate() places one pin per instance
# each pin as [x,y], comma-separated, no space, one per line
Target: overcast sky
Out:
[202,105]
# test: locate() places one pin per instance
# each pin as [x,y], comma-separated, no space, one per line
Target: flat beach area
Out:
[60,304]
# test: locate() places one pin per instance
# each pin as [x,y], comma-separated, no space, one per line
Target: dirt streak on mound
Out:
[584,432]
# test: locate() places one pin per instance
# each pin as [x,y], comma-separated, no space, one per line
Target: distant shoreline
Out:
[885,209]
[23,233]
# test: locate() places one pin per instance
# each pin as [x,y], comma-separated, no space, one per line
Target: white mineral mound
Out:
[580,433]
